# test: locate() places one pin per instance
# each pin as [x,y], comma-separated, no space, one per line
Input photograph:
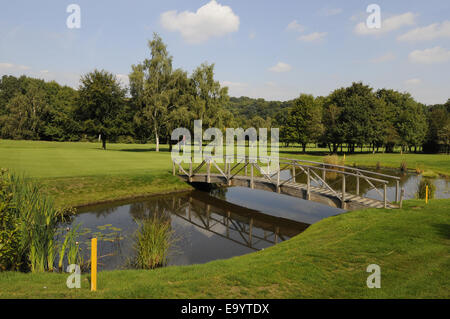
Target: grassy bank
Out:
[81,173]
[328,260]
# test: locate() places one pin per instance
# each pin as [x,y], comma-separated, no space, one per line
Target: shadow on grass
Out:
[443,230]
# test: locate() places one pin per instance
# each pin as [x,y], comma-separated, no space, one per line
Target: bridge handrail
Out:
[313,162]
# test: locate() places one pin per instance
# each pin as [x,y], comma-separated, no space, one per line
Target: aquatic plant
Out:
[403,166]
[154,238]
[31,220]
[421,188]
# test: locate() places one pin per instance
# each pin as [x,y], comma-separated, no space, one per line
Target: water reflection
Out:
[206,227]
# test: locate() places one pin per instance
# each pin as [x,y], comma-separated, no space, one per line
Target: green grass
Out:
[82,173]
[328,260]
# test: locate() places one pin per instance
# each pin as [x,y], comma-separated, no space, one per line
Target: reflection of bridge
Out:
[241,225]
[220,171]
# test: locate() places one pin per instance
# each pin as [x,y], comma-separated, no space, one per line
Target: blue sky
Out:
[269,49]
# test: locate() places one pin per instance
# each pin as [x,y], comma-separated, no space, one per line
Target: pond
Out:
[208,225]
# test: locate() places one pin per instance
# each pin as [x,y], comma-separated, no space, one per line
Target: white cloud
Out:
[430,56]
[123,79]
[12,66]
[312,37]
[387,25]
[431,32]
[295,26]
[280,67]
[413,81]
[210,20]
[384,58]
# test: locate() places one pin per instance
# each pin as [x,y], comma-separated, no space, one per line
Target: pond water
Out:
[214,224]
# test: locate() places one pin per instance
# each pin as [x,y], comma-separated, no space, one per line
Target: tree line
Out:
[160,98]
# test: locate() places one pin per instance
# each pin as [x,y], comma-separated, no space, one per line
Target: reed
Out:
[154,239]
[35,222]
[403,166]
[421,188]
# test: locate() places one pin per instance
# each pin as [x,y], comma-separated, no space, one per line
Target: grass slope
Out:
[328,260]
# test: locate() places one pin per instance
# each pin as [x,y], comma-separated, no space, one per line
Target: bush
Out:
[421,190]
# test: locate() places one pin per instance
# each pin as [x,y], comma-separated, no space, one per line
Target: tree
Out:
[210,97]
[100,101]
[150,89]
[25,113]
[406,116]
[306,119]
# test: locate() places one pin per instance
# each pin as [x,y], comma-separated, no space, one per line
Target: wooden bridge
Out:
[308,180]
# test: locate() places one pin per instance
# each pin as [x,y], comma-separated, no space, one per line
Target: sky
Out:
[274,50]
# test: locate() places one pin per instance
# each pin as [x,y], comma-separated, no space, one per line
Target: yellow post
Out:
[344,157]
[94,264]
[426,194]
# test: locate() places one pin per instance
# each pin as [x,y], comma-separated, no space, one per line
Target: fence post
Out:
[245,164]
[385,195]
[173,168]
[293,172]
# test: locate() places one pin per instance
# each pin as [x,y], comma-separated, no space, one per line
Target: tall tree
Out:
[306,119]
[210,97]
[150,89]
[100,101]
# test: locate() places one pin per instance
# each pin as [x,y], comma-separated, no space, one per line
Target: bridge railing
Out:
[229,167]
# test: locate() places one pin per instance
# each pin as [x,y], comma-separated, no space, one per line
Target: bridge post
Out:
[245,163]
[343,192]
[173,168]
[208,168]
[401,197]
[308,184]
[385,195]
[190,171]
[278,179]
[229,174]
[251,175]
[293,172]
[357,185]
[324,173]
[397,187]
